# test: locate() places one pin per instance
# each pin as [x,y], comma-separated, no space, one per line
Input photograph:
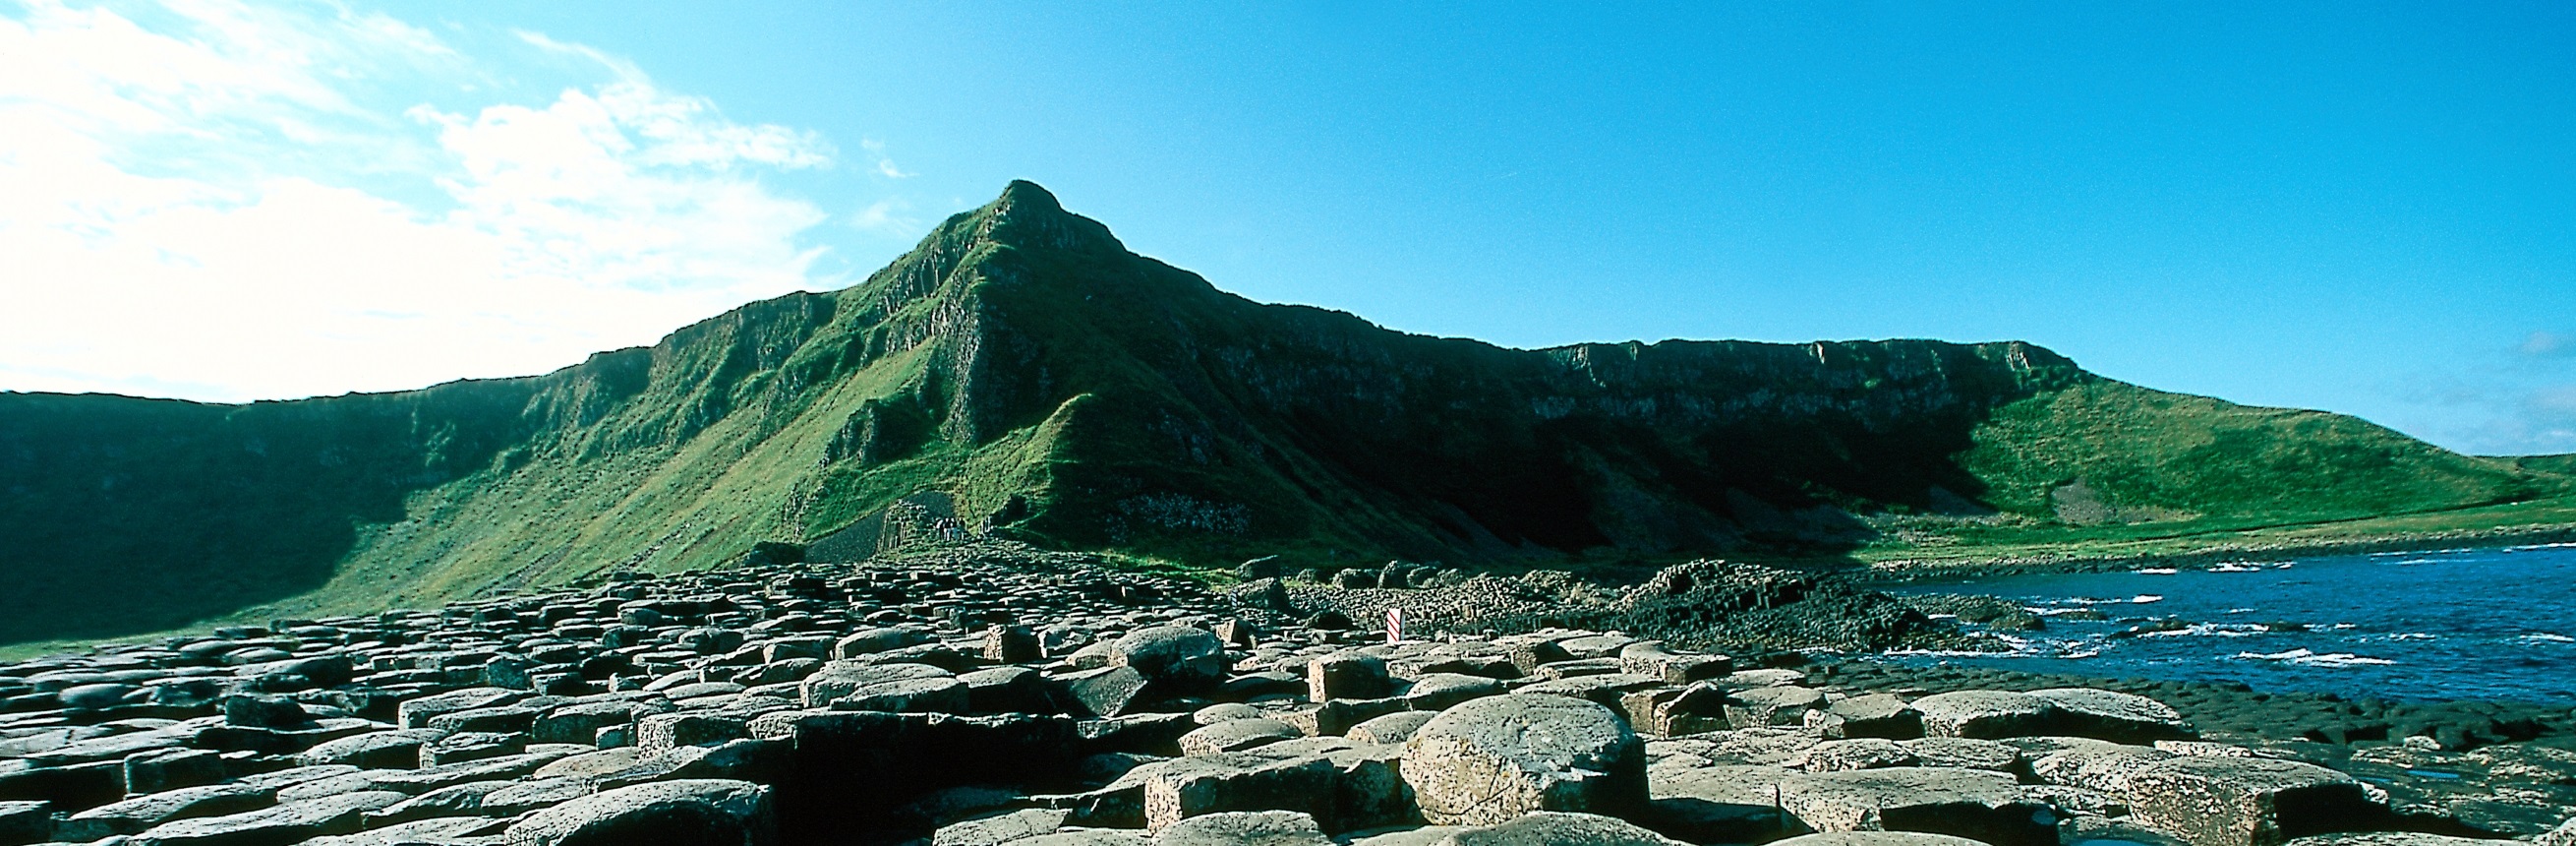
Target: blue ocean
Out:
[2452,624]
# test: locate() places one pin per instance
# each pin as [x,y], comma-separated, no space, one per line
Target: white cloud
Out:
[885,166]
[217,201]
[2544,344]
[888,216]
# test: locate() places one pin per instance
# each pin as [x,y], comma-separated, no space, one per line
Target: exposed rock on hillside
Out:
[1021,374]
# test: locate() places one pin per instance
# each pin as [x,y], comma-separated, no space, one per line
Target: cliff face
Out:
[1020,373]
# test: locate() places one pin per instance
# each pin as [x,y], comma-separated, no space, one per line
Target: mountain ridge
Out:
[1021,374]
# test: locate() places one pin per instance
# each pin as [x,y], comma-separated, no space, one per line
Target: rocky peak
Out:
[1027,216]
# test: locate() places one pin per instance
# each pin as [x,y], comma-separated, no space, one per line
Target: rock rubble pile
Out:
[971,698]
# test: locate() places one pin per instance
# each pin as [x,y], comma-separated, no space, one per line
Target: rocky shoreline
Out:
[991,695]
[1901,570]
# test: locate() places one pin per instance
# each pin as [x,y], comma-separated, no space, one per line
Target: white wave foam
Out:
[2159,571]
[2547,637]
[2144,598]
[2410,636]
[2214,630]
[2308,658]
[2237,567]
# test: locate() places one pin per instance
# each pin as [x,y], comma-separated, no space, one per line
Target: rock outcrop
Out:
[827,703]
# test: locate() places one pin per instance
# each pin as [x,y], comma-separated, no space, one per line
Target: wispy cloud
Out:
[885,166]
[2545,344]
[888,216]
[215,200]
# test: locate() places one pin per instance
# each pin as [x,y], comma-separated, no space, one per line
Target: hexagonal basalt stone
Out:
[1493,759]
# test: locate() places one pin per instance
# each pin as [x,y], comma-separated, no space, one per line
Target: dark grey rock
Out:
[292,822]
[703,812]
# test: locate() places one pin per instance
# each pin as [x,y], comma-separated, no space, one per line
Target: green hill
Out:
[1021,374]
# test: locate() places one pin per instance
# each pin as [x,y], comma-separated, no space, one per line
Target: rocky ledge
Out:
[972,697]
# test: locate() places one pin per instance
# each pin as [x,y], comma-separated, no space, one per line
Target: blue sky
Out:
[2362,208]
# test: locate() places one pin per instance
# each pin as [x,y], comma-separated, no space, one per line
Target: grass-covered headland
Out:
[1022,375]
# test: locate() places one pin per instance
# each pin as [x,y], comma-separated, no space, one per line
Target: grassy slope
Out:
[1062,390]
[2219,476]
[119,514]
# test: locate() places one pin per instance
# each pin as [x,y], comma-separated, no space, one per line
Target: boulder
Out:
[1346,675]
[2391,838]
[1963,753]
[580,722]
[1783,705]
[1107,691]
[1010,645]
[1873,715]
[1552,828]
[1223,711]
[1087,837]
[692,812]
[1238,781]
[293,822]
[1605,689]
[415,713]
[1496,758]
[499,718]
[1236,736]
[997,829]
[840,679]
[170,769]
[471,746]
[257,711]
[2116,717]
[1652,658]
[141,813]
[873,641]
[663,732]
[1438,691]
[1673,712]
[1392,728]
[1000,689]
[2214,801]
[1876,838]
[1866,753]
[94,697]
[1737,803]
[1983,806]
[454,801]
[1986,714]
[1244,828]
[1179,658]
[1336,717]
[940,694]
[2105,768]
[392,749]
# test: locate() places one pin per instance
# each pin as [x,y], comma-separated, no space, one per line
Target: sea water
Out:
[2451,624]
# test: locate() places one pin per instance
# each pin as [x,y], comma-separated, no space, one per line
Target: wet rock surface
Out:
[980,696]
